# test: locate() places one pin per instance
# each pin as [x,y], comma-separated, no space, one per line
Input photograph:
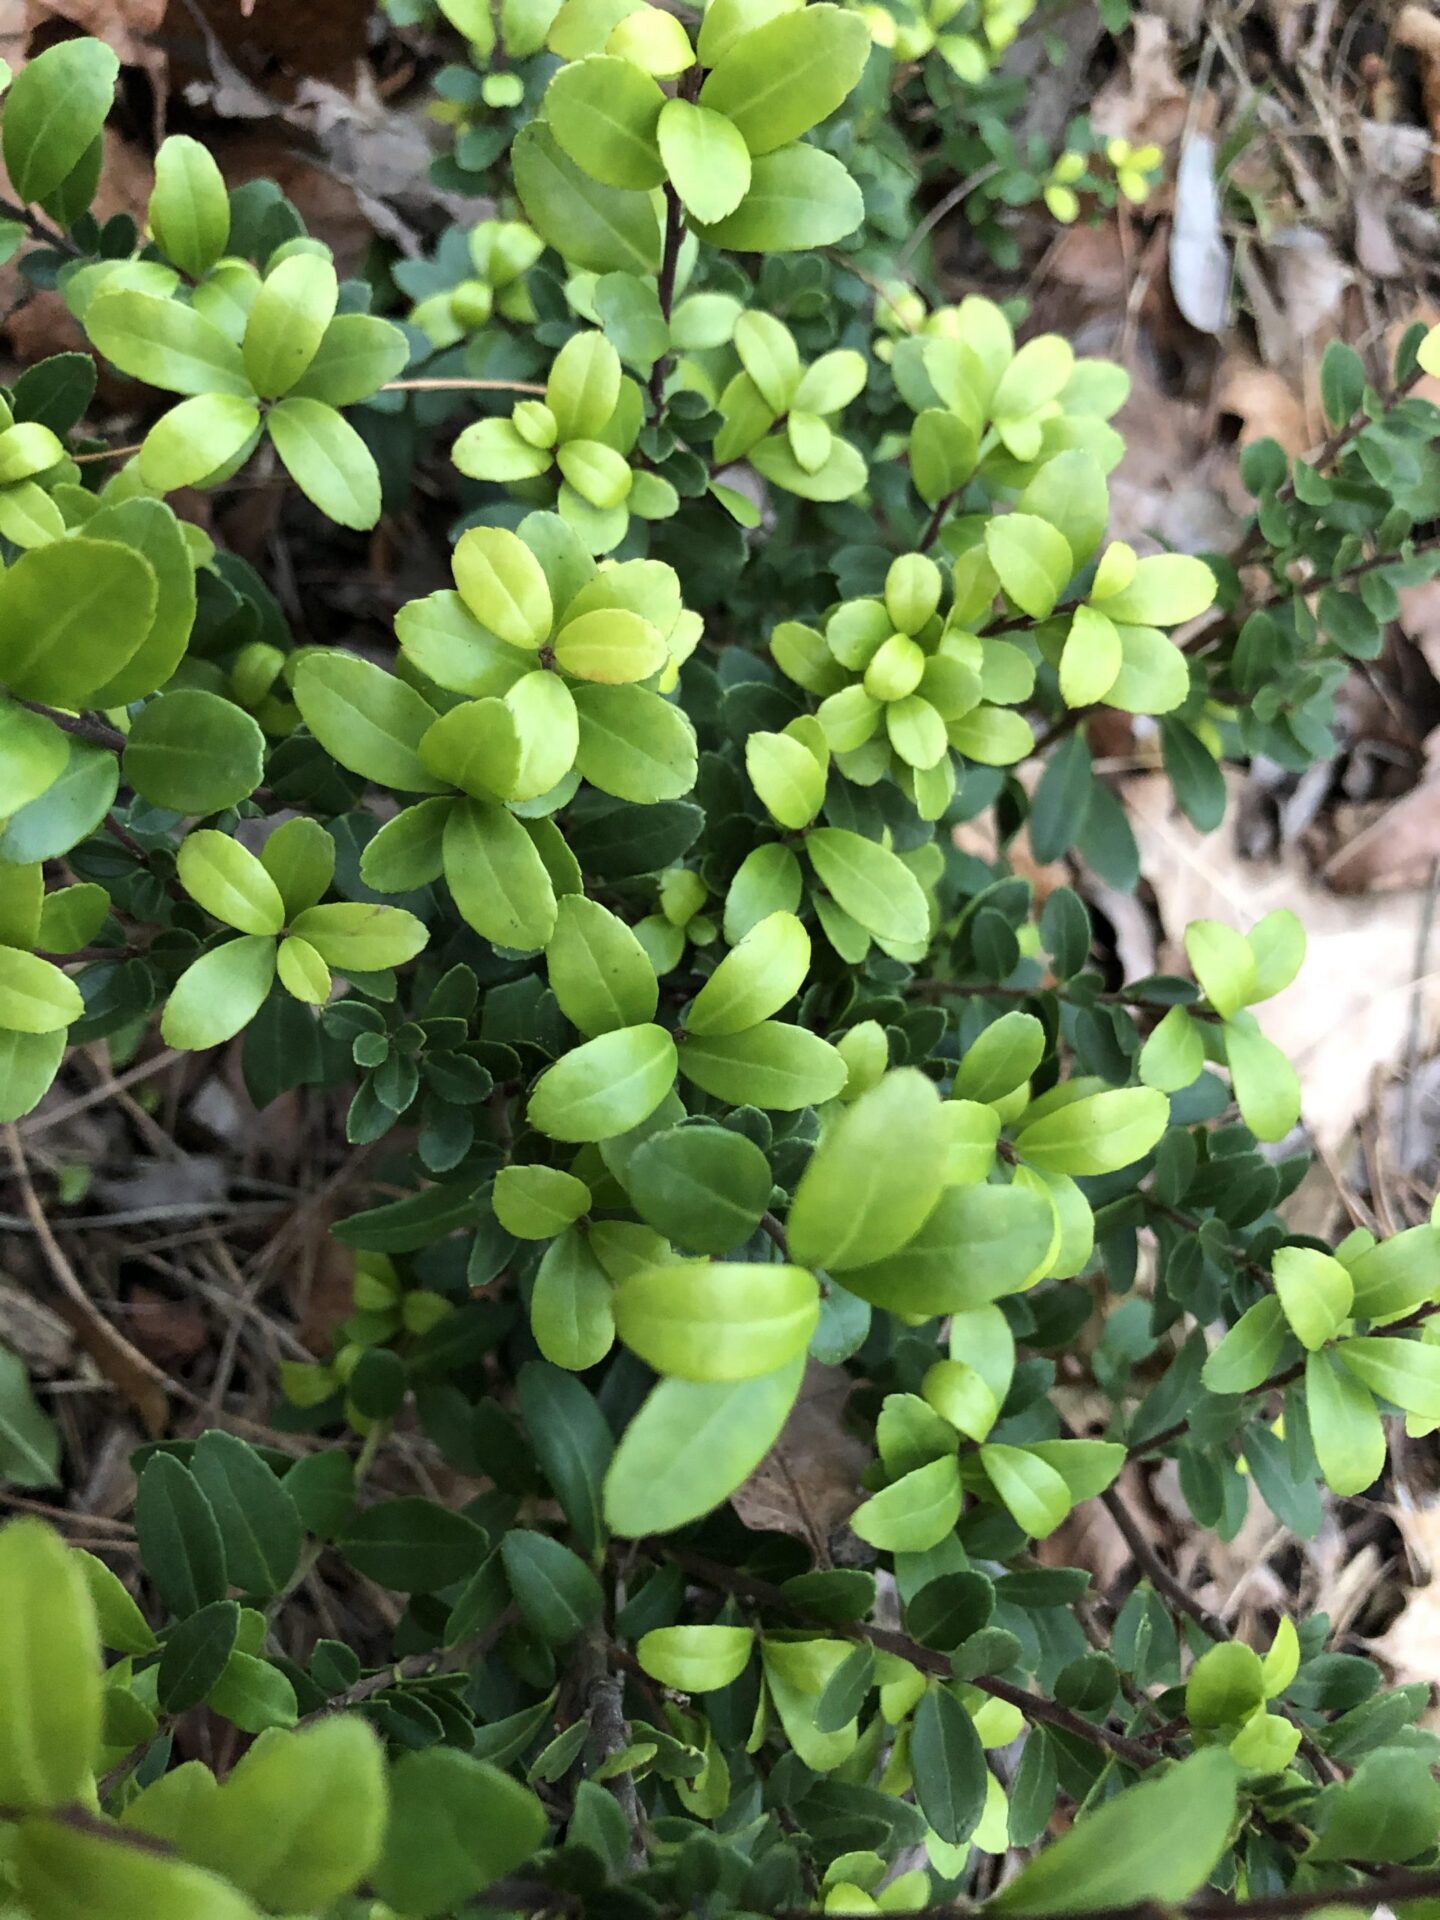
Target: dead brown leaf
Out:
[129,27]
[1410,1646]
[1420,619]
[164,1328]
[1396,848]
[1418,28]
[1171,486]
[810,1480]
[1146,101]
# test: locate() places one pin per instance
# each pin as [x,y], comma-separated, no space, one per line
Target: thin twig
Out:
[143,1383]
[460,386]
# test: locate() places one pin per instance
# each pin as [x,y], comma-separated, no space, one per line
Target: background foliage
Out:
[620,892]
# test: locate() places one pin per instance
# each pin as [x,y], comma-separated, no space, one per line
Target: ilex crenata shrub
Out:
[613,887]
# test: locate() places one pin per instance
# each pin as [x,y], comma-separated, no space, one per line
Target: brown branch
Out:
[416,1666]
[770,1225]
[1034,1706]
[937,520]
[602,1692]
[99,733]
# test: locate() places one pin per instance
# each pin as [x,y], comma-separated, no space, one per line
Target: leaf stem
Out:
[665,288]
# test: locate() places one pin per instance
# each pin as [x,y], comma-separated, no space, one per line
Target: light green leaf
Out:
[71,614]
[604,1086]
[726,20]
[1033,560]
[302,973]
[776,1066]
[788,779]
[1404,1372]
[71,806]
[799,198]
[1278,944]
[1091,659]
[55,109]
[219,994]
[228,881]
[1397,1275]
[299,1820]
[915,1512]
[166,344]
[873,885]
[754,980]
[977,1245]
[1157,1841]
[1154,676]
[327,460]
[358,353]
[1266,1086]
[1165,590]
[194,752]
[1315,1292]
[360,938]
[494,450]
[594,226]
[199,437]
[503,585]
[496,876]
[1034,1492]
[536,1203]
[604,112]
[1224,964]
[1070,492]
[366,719]
[840,474]
[1098,1134]
[475,747]
[634,744]
[876,1174]
[299,857]
[287,322]
[571,1315]
[1345,1426]
[28,1065]
[35,996]
[717,1320]
[598,970]
[610,647]
[706,158]
[1000,1059]
[1249,1352]
[1173,1057]
[58,1869]
[785,76]
[691,1444]
[189,211]
[695,1659]
[943,452]
[151,530]
[49,1672]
